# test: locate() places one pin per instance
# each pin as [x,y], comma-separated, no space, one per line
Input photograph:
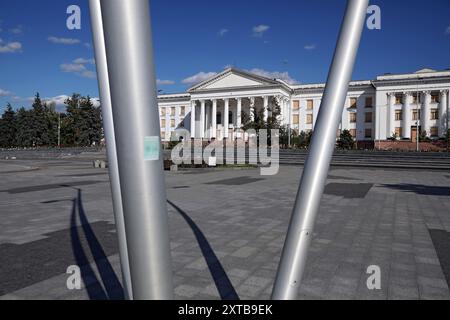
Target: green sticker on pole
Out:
[152,147]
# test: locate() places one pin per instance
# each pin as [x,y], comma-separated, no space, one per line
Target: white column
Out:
[193,104]
[391,113]
[214,120]
[266,108]
[407,115]
[426,113]
[238,117]
[443,115]
[168,118]
[289,108]
[252,109]
[202,119]
[177,116]
[226,112]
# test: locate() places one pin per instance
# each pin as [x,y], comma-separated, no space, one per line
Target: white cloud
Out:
[72,67]
[164,82]
[78,66]
[259,31]
[10,47]
[310,47]
[223,32]
[4,93]
[84,61]
[16,30]
[89,74]
[66,41]
[59,100]
[199,77]
[447,31]
[284,76]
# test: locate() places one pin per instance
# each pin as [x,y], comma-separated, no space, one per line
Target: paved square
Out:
[227,231]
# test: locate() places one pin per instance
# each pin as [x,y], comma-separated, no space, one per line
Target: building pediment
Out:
[233,78]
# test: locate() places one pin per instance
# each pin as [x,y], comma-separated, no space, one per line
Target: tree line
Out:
[41,125]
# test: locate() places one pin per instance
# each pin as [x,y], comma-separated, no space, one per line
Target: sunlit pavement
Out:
[227,231]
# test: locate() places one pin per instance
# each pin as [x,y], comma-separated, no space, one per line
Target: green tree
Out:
[346,140]
[303,139]
[423,137]
[82,125]
[7,127]
[24,128]
[39,125]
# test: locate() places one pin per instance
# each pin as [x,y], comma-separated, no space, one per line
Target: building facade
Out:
[391,106]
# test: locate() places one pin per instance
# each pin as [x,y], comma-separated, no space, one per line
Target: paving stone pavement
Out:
[227,230]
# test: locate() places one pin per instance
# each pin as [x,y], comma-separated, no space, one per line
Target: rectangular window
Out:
[172,111]
[434,114]
[353,132]
[353,102]
[416,115]
[415,98]
[296,104]
[163,111]
[163,123]
[398,99]
[434,131]
[369,102]
[368,117]
[309,119]
[398,132]
[182,111]
[310,104]
[296,119]
[368,133]
[172,123]
[352,117]
[435,97]
[398,115]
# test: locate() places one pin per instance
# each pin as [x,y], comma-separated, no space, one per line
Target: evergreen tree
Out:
[7,127]
[346,140]
[40,125]
[24,128]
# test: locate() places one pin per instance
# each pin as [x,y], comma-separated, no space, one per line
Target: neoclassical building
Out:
[392,104]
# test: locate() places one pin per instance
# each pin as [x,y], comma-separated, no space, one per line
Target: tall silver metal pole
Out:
[316,169]
[108,126]
[129,51]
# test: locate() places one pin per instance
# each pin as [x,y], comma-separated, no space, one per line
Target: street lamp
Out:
[418,116]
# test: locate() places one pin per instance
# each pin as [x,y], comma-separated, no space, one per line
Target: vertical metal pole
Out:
[108,125]
[316,169]
[129,51]
[59,129]
[289,125]
[418,116]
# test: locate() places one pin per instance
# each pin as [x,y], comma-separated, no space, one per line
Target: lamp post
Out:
[418,116]
[59,130]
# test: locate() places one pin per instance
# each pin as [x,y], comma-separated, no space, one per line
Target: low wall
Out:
[436,146]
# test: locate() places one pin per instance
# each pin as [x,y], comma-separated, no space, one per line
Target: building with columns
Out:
[391,105]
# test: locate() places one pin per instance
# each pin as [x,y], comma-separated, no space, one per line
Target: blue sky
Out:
[291,39]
